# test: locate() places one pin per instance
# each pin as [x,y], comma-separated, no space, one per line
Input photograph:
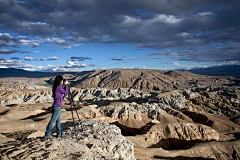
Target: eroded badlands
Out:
[197,122]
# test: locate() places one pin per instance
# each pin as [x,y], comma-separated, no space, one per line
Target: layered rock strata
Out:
[79,95]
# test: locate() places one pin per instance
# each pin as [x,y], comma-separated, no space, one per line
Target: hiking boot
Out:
[62,136]
[49,137]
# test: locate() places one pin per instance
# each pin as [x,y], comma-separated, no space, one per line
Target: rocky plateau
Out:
[124,114]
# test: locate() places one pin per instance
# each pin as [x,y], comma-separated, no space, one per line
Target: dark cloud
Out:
[25,52]
[80,58]
[148,24]
[216,55]
[117,59]
[15,58]
[219,54]
[5,51]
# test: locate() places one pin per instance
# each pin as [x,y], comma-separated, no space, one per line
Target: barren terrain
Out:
[124,114]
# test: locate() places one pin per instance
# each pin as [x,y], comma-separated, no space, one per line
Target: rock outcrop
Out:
[25,97]
[175,136]
[95,140]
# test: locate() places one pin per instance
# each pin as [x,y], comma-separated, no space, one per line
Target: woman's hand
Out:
[66,82]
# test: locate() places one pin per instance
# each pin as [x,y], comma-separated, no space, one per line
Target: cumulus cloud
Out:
[43,59]
[30,59]
[49,59]
[10,63]
[150,24]
[53,58]
[32,43]
[56,41]
[5,36]
[71,66]
[77,64]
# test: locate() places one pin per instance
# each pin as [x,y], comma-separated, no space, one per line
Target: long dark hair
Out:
[57,82]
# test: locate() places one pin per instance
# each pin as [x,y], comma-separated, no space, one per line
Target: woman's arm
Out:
[62,90]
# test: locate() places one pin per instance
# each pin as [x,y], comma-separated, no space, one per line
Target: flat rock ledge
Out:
[95,140]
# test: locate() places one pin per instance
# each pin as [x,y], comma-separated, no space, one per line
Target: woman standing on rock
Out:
[57,93]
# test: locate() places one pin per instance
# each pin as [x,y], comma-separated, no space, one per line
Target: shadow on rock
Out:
[127,131]
[182,158]
[37,118]
[176,144]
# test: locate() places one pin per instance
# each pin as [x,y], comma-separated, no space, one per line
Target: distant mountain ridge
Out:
[12,72]
[228,70]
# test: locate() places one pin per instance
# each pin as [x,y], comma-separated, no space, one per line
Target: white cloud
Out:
[33,43]
[205,14]
[5,36]
[53,58]
[130,21]
[10,63]
[32,24]
[75,45]
[56,40]
[142,67]
[48,59]
[166,19]
[175,63]
[22,37]
[66,47]
[30,59]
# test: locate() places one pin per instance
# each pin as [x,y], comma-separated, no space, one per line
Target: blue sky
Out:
[79,35]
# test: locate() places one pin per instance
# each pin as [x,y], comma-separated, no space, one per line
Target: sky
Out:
[83,35]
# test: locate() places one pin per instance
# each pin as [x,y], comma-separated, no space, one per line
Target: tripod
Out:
[73,105]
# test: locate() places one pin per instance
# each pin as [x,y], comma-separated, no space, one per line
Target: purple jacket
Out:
[58,99]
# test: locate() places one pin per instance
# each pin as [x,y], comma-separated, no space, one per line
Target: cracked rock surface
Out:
[95,140]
